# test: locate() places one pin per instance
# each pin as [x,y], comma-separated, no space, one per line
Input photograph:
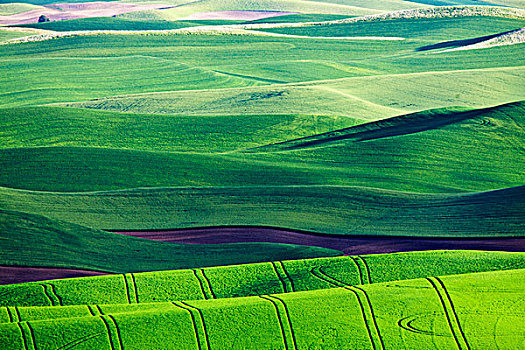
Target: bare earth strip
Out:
[17,274]
[350,245]
[60,12]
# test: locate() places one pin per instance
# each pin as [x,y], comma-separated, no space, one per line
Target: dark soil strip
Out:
[12,274]
[350,245]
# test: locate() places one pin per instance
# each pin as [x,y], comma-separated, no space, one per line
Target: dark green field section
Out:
[36,241]
[321,209]
[423,29]
[406,125]
[234,281]
[299,18]
[431,313]
[447,150]
[60,126]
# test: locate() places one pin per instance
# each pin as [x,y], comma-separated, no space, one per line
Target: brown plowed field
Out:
[347,244]
[12,274]
[60,12]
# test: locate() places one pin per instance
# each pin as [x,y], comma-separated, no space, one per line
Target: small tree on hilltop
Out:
[43,18]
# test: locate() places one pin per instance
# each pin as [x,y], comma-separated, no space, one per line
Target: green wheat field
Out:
[267,174]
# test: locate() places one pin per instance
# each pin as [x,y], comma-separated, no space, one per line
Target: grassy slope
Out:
[420,28]
[410,313]
[336,210]
[230,61]
[118,23]
[58,126]
[317,7]
[257,279]
[438,158]
[13,8]
[368,98]
[36,241]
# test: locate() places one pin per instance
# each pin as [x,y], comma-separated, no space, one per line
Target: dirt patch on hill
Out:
[18,274]
[60,12]
[347,244]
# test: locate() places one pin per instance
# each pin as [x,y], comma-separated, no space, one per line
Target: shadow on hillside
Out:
[459,43]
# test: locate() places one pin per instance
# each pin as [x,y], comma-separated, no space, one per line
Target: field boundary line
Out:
[203,283]
[361,279]
[196,312]
[278,268]
[367,313]
[450,312]
[309,83]
[110,333]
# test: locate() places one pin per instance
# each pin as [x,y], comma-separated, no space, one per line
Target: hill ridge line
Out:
[372,130]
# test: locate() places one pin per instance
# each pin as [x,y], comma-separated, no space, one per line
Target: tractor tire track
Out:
[364,303]
[134,282]
[131,288]
[207,283]
[10,314]
[111,334]
[196,315]
[367,269]
[450,312]
[204,284]
[78,341]
[28,335]
[119,336]
[279,319]
[361,279]
[126,286]
[285,280]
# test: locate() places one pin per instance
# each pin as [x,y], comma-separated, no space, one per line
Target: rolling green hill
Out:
[36,241]
[59,126]
[321,209]
[446,150]
[367,98]
[337,123]
[407,313]
[236,281]
[99,66]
